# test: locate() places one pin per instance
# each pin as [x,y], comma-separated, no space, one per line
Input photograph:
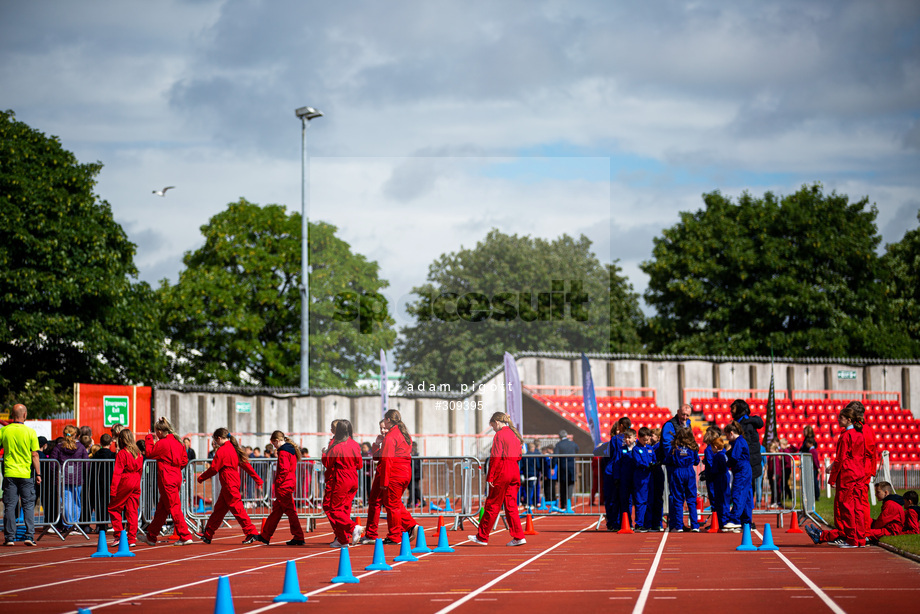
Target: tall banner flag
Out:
[514,400]
[384,384]
[770,432]
[590,401]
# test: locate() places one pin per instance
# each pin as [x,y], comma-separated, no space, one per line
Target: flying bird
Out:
[163,191]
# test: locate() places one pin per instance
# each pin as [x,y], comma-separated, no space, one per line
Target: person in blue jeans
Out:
[20,459]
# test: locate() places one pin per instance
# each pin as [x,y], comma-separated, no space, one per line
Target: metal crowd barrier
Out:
[47,499]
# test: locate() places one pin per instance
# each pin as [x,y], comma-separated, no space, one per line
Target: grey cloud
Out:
[904,219]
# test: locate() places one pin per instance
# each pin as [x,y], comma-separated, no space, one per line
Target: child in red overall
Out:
[169,453]
[847,474]
[228,459]
[872,457]
[342,460]
[373,499]
[890,520]
[911,513]
[504,480]
[395,470]
[126,486]
[285,484]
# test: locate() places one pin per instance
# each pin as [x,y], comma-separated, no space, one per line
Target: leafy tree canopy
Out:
[902,265]
[71,309]
[234,315]
[797,274]
[512,294]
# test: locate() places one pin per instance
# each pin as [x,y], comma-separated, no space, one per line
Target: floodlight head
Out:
[308,113]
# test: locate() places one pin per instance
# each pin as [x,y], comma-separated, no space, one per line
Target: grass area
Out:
[907,543]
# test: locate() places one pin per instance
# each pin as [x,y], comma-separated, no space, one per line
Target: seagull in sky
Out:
[163,191]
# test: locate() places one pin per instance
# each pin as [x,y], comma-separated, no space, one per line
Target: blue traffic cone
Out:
[224,602]
[200,509]
[746,545]
[102,548]
[123,548]
[767,539]
[291,591]
[568,507]
[421,544]
[434,508]
[84,611]
[447,507]
[405,554]
[380,562]
[443,545]
[345,575]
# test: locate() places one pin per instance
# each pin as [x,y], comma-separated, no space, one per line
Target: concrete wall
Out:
[467,414]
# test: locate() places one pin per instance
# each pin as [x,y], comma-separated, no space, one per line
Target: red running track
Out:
[568,566]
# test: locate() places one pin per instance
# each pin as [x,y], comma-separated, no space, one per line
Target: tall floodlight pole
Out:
[305,114]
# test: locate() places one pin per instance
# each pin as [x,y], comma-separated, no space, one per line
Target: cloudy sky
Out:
[445,119]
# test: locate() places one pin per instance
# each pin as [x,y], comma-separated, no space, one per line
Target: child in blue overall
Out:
[643,460]
[656,486]
[715,462]
[623,475]
[742,492]
[683,456]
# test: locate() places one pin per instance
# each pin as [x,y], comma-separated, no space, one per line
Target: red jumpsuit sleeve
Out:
[181,454]
[387,456]
[118,470]
[496,457]
[872,457]
[152,448]
[248,468]
[840,453]
[217,463]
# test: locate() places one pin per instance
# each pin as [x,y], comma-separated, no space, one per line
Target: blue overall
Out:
[682,487]
[716,464]
[742,492]
[643,462]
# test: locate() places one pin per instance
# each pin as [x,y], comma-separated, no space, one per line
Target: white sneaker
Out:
[182,542]
[356,534]
[475,539]
[731,525]
[413,534]
[28,542]
[336,544]
[517,542]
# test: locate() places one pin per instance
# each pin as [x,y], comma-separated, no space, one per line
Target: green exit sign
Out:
[846,374]
[115,411]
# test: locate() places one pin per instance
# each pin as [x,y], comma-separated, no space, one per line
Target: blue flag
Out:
[384,384]
[514,401]
[590,402]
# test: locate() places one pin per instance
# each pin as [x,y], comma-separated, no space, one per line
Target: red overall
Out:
[285,484]
[342,462]
[169,453]
[373,499]
[912,520]
[126,493]
[226,464]
[872,459]
[394,471]
[505,479]
[890,520]
[848,475]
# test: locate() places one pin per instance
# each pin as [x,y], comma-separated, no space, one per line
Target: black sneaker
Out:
[251,539]
[261,539]
[389,542]
[201,536]
[814,533]
[296,542]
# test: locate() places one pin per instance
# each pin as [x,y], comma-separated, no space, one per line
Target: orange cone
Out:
[714,522]
[794,527]
[528,526]
[624,524]
[440,524]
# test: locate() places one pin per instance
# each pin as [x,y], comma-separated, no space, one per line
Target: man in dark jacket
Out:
[566,468]
[741,413]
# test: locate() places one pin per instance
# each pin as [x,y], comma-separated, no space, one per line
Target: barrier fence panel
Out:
[85,488]
[47,511]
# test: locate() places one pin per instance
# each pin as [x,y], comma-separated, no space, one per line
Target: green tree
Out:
[797,274]
[234,315]
[511,294]
[901,262]
[71,309]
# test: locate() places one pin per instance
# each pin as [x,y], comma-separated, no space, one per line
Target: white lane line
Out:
[125,571]
[510,572]
[190,584]
[814,587]
[364,575]
[647,586]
